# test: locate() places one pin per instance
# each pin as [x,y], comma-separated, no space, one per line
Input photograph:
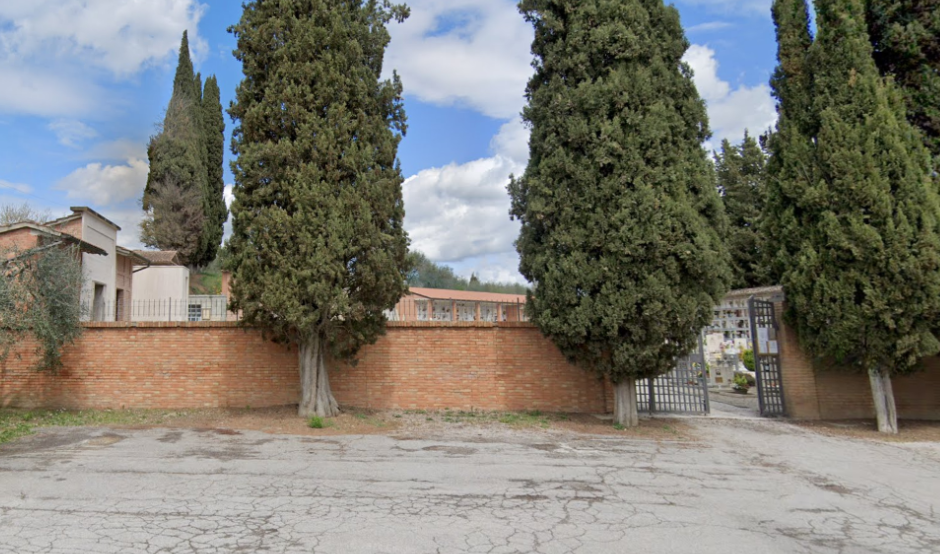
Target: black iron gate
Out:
[683,390]
[766,357]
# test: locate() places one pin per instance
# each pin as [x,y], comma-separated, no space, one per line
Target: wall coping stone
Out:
[236,324]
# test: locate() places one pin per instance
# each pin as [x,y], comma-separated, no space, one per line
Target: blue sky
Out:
[84,82]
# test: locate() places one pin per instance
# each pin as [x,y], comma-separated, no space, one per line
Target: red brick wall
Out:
[157,366]
[833,394]
[20,239]
[72,227]
[417,365]
[425,365]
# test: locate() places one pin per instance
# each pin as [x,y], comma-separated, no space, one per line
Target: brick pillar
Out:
[800,392]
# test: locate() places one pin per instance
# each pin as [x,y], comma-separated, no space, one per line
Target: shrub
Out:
[316,422]
[747,358]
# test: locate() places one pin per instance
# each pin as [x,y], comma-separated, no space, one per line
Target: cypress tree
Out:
[789,166]
[213,124]
[621,220]
[177,154]
[905,36]
[318,247]
[186,161]
[863,273]
[741,174]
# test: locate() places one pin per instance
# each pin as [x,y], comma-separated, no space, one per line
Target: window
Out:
[195,312]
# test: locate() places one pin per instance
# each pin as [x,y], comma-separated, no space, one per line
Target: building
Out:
[422,304]
[108,267]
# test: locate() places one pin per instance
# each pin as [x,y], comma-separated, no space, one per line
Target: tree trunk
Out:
[316,398]
[625,403]
[883,395]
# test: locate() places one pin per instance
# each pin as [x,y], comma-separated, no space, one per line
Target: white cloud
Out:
[730,111]
[121,149]
[71,132]
[104,185]
[38,91]
[460,211]
[708,27]
[52,52]
[117,35]
[16,187]
[229,197]
[500,267]
[472,53]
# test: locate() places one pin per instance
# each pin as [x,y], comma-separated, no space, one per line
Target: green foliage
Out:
[315,422]
[40,297]
[621,222]
[788,145]
[741,175]
[747,358]
[905,35]
[187,154]
[19,423]
[741,382]
[425,273]
[213,126]
[851,206]
[318,247]
[175,217]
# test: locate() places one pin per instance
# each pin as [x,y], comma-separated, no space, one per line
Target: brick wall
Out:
[417,365]
[71,227]
[833,394]
[18,240]
[507,366]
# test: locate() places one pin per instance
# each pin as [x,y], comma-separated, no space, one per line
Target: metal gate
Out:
[766,357]
[684,389]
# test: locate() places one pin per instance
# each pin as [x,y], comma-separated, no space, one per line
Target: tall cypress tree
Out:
[789,166]
[186,162]
[741,171]
[213,127]
[318,248]
[858,212]
[905,36]
[621,222]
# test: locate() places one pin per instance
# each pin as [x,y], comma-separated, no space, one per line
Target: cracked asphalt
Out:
[742,486]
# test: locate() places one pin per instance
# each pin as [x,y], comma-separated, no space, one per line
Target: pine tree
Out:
[621,221]
[741,174]
[905,35]
[213,124]
[862,278]
[179,157]
[318,248]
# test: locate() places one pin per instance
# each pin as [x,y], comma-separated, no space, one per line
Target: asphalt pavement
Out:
[742,485]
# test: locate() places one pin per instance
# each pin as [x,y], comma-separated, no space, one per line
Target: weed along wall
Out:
[417,365]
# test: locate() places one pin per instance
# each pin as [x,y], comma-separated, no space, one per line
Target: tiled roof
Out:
[160,257]
[756,291]
[470,296]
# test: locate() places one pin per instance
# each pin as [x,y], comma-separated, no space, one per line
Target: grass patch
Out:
[316,422]
[532,418]
[370,419]
[19,423]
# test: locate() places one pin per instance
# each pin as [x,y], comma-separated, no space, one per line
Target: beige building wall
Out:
[100,271]
[165,288]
